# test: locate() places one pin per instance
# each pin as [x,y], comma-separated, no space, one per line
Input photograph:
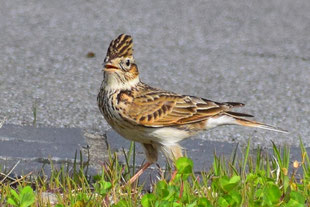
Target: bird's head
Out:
[120,70]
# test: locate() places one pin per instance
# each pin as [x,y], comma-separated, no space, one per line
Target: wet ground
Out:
[254,52]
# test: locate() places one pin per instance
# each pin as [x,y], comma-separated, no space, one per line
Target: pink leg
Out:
[173,175]
[137,175]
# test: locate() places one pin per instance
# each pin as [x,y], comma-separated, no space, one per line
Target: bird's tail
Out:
[250,123]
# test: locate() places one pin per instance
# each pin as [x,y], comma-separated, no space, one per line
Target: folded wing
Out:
[168,109]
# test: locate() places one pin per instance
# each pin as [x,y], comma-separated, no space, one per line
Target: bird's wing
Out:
[160,109]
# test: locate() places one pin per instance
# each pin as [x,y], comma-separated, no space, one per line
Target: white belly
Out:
[164,136]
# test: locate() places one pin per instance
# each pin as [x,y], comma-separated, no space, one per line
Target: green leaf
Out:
[172,193]
[236,197]
[259,193]
[286,182]
[148,200]
[184,165]
[234,179]
[165,191]
[272,193]
[162,204]
[103,187]
[222,202]
[224,181]
[204,202]
[12,202]
[229,184]
[121,203]
[161,189]
[194,204]
[293,203]
[229,199]
[27,197]
[251,177]
[296,196]
[97,178]
[15,195]
[175,204]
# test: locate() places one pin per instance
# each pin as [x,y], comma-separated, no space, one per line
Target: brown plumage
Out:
[156,118]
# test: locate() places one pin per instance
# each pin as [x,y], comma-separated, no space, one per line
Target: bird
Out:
[157,119]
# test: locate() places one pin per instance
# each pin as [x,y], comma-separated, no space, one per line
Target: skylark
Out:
[156,118]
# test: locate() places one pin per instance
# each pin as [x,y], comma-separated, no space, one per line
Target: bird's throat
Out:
[115,82]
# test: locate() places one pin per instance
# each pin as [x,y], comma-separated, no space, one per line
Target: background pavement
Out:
[31,149]
[256,52]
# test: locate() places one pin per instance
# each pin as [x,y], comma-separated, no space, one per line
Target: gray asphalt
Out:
[255,52]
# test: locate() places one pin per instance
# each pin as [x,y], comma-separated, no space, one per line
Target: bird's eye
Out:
[127,62]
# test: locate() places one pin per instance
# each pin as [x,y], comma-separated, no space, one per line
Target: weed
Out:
[261,179]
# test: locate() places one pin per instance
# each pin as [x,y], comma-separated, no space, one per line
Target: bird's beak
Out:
[110,68]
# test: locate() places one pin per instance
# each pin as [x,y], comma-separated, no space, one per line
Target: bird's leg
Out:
[137,175]
[173,152]
[151,153]
[174,173]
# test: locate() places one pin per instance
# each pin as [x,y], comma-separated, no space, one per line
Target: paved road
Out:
[256,52]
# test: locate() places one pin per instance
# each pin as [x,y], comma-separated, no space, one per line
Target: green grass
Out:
[256,179]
